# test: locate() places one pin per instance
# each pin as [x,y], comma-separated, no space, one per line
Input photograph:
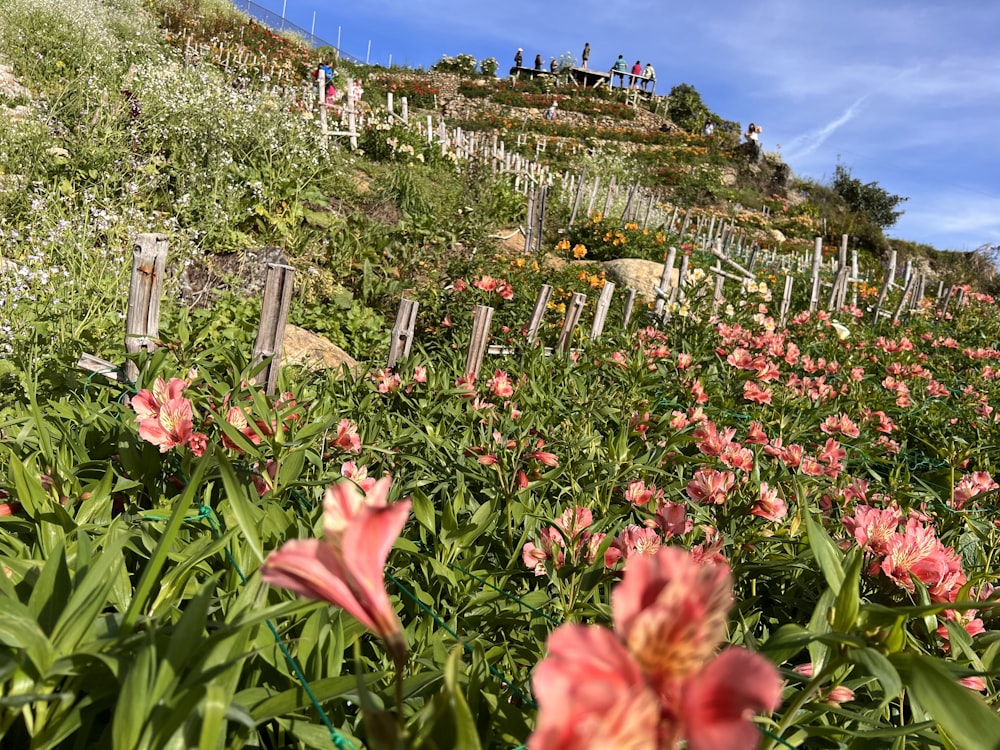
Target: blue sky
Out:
[904,92]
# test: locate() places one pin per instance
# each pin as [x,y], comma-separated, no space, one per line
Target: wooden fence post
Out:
[536,315]
[273,317]
[608,198]
[677,292]
[576,201]
[601,311]
[544,192]
[816,265]
[529,221]
[593,195]
[666,279]
[629,304]
[481,319]
[786,301]
[142,322]
[573,311]
[402,332]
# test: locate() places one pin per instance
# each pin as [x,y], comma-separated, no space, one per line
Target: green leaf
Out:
[423,510]
[879,667]
[247,516]
[825,551]
[961,713]
[213,720]
[848,603]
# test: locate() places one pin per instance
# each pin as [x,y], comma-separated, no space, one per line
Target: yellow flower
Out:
[562,245]
[579,251]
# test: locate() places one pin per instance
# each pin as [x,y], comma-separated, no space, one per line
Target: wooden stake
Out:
[402,332]
[573,312]
[601,311]
[666,279]
[481,319]
[273,317]
[786,301]
[629,304]
[816,265]
[536,315]
[142,322]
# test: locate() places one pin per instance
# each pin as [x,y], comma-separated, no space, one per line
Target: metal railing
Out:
[275,22]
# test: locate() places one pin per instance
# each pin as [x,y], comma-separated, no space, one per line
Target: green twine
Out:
[776,738]
[493,671]
[206,513]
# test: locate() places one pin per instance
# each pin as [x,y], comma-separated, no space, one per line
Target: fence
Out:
[278,23]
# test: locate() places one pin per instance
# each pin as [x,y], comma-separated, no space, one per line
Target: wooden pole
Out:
[576,201]
[142,321]
[536,315]
[593,195]
[666,279]
[786,301]
[481,319]
[273,317]
[629,304]
[816,264]
[608,198]
[402,332]
[601,311]
[573,312]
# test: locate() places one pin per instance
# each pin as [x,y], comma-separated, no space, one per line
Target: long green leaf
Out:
[246,515]
[825,551]
[961,713]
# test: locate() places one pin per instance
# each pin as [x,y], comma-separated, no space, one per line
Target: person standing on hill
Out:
[538,62]
[586,54]
[518,58]
[648,77]
[620,69]
[636,74]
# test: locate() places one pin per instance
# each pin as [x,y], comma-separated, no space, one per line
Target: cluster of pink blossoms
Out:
[166,417]
[911,552]
[571,527]
[655,678]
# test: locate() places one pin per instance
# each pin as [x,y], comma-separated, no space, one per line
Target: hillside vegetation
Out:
[744,520]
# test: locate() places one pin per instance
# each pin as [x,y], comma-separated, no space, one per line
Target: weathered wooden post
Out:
[142,321]
[608,198]
[529,221]
[593,195]
[684,226]
[629,304]
[677,293]
[352,114]
[908,289]
[786,301]
[576,201]
[402,332]
[573,312]
[816,265]
[601,310]
[666,280]
[481,319]
[854,277]
[628,203]
[544,193]
[404,110]
[947,299]
[321,93]
[273,316]
[536,315]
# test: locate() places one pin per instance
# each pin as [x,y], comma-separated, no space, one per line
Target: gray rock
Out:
[305,349]
[641,275]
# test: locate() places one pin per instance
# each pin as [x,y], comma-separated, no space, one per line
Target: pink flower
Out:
[769,505]
[672,520]
[872,528]
[500,385]
[419,374]
[753,392]
[710,487]
[358,475]
[347,438]
[173,425]
[631,542]
[638,494]
[346,568]
[669,617]
[592,695]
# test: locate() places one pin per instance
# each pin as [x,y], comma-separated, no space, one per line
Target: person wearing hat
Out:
[518,57]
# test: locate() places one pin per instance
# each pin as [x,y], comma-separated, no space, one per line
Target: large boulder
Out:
[641,275]
[306,349]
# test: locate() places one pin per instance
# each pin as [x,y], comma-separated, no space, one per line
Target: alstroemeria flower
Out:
[655,679]
[347,567]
